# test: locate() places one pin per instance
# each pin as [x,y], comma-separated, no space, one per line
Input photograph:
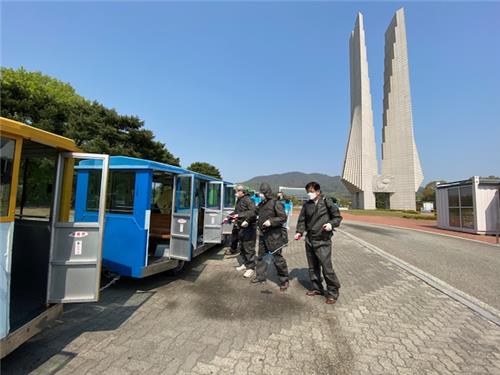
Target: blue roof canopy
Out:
[127,162]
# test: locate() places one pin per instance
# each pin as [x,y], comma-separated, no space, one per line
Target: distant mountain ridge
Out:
[329,184]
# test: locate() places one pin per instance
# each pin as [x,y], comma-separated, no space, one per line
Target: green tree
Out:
[47,103]
[205,168]
[296,202]
[343,202]
[429,192]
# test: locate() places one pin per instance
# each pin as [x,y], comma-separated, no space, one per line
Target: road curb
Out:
[486,311]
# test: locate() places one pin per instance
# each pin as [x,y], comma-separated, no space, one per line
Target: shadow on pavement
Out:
[302,276]
[116,305]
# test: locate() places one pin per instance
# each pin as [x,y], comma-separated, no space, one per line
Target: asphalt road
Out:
[471,267]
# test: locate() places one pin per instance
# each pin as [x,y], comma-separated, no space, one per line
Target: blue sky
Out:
[261,88]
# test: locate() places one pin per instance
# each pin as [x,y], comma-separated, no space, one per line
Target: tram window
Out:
[121,198]
[161,193]
[121,191]
[214,196]
[229,198]
[93,190]
[36,179]
[7,148]
[183,194]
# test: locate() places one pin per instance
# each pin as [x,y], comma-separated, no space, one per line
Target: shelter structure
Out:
[471,205]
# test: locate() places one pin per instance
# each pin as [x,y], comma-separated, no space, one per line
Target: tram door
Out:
[229,200]
[76,247]
[182,218]
[212,230]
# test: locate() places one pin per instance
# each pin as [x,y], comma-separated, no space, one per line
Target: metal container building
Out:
[471,205]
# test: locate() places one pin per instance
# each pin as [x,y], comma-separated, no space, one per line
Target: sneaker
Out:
[284,286]
[248,273]
[230,252]
[241,268]
[330,300]
[256,280]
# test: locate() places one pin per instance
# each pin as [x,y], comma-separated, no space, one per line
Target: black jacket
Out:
[245,208]
[272,210]
[313,216]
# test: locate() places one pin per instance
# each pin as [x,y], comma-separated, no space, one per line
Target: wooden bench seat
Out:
[159,226]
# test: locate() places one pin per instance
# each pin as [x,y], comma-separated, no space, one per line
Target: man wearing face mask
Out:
[244,218]
[272,216]
[318,217]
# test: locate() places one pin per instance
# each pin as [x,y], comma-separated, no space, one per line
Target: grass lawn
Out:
[394,213]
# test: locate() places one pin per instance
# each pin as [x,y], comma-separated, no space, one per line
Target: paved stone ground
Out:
[472,267]
[212,321]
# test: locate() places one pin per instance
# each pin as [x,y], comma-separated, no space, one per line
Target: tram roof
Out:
[37,135]
[128,162]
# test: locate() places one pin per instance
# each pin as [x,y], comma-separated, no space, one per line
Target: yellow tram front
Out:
[46,258]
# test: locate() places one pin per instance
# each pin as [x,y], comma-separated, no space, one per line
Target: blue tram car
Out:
[158,216]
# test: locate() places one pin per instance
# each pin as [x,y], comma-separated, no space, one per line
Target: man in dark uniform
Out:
[272,216]
[318,217]
[244,218]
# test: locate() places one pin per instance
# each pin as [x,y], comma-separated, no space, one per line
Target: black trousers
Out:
[319,258]
[247,253]
[247,240]
[234,239]
[278,260]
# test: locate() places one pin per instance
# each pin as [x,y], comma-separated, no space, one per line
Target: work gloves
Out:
[327,227]
[229,219]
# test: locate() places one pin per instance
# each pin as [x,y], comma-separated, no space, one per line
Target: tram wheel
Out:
[178,269]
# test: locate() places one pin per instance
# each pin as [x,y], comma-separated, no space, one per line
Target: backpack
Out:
[284,230]
[329,207]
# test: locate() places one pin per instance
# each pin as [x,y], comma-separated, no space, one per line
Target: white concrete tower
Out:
[399,152]
[360,163]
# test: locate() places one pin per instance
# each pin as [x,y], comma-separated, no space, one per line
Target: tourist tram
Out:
[158,216]
[65,213]
[46,256]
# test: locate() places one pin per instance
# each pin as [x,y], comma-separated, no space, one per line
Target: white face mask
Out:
[262,196]
[312,196]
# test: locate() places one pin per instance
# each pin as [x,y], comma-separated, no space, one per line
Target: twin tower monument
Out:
[401,173]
